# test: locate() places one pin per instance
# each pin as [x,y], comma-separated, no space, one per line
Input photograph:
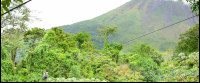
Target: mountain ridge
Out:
[138,17]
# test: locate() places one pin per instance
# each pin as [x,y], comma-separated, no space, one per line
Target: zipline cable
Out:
[151,32]
[15,7]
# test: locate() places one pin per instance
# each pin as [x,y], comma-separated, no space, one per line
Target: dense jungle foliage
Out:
[74,58]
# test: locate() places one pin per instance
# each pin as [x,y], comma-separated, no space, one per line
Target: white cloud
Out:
[184,1]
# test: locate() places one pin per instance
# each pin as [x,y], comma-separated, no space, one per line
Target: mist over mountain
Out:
[138,17]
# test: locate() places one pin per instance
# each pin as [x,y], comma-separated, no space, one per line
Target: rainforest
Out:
[112,47]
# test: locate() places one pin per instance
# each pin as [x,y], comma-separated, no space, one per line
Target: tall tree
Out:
[105,32]
[31,37]
[115,50]
[13,26]
[13,39]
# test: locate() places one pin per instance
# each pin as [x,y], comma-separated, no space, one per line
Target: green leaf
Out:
[8,2]
[20,1]
[3,3]
[6,8]
[1,13]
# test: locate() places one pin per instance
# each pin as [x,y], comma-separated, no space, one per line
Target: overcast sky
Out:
[64,12]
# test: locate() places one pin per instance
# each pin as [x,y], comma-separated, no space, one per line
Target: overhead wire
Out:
[16,7]
[151,32]
[123,42]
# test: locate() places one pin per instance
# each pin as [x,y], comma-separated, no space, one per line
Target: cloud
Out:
[184,1]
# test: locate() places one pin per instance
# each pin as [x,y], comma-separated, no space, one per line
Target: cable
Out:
[15,8]
[152,32]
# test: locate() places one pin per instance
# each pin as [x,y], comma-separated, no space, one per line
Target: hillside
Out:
[138,17]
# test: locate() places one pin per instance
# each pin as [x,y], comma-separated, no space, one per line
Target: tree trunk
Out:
[12,58]
[13,54]
[117,59]
[105,42]
[198,42]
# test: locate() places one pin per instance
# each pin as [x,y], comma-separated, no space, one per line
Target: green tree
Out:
[145,66]
[18,18]
[4,53]
[82,37]
[167,55]
[186,69]
[105,32]
[59,33]
[115,50]
[31,37]
[13,26]
[75,72]
[5,5]
[148,52]
[189,41]
[194,5]
[13,39]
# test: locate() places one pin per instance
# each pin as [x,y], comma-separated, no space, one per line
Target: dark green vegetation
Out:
[194,5]
[72,57]
[5,5]
[139,17]
[65,55]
